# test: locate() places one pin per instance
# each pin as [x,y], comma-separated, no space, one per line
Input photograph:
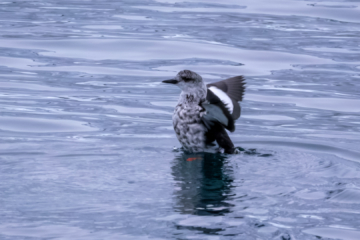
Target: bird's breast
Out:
[189,115]
[189,128]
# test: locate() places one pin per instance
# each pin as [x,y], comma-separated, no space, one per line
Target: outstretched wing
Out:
[217,112]
[234,87]
[222,102]
[230,91]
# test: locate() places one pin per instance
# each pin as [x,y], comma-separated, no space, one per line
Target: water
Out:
[86,139]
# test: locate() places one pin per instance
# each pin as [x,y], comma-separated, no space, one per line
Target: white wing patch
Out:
[223,97]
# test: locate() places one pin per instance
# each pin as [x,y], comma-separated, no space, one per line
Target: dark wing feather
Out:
[218,133]
[217,112]
[236,111]
[234,87]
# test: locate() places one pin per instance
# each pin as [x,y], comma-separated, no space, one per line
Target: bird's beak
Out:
[173,81]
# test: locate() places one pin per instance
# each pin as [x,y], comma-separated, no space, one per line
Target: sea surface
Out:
[87,148]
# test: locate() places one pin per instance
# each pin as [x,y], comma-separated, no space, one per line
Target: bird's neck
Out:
[192,97]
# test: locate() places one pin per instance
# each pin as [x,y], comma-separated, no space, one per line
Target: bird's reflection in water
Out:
[203,184]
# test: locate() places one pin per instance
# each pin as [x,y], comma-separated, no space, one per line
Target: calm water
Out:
[86,138]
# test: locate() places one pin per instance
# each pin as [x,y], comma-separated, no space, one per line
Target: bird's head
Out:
[187,81]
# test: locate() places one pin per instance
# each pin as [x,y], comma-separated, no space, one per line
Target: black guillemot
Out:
[204,111]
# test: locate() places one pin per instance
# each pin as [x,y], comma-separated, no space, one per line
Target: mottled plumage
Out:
[203,112]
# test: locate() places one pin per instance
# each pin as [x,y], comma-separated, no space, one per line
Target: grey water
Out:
[87,149]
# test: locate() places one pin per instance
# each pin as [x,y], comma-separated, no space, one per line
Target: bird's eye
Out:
[186,79]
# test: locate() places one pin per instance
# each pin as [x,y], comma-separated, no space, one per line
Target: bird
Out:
[204,111]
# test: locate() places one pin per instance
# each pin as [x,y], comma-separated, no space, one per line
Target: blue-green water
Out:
[86,138]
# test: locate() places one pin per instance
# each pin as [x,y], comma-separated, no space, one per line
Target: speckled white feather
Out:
[187,117]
